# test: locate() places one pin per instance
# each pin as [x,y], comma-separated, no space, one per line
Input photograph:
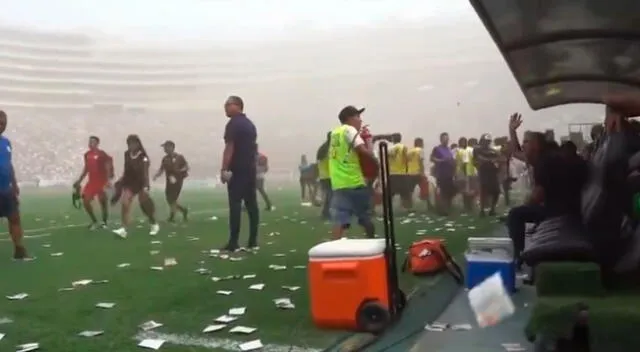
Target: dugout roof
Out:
[566,51]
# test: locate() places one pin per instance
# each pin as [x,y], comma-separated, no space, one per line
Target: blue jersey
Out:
[6,166]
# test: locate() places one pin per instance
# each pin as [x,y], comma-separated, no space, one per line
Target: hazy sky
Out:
[220,19]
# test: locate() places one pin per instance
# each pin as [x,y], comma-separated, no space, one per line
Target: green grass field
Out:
[184,300]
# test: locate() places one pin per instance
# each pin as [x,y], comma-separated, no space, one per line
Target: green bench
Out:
[562,288]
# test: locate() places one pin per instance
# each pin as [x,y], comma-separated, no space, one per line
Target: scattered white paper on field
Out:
[214,328]
[202,271]
[18,296]
[153,344]
[459,327]
[89,333]
[214,251]
[1,336]
[236,259]
[123,265]
[279,255]
[66,289]
[215,279]
[157,268]
[156,242]
[284,303]
[432,328]
[257,287]
[238,311]
[224,293]
[57,254]
[277,267]
[513,347]
[490,301]
[170,262]
[5,320]
[242,330]
[251,345]
[106,305]
[225,319]
[291,288]
[154,252]
[81,282]
[300,267]
[192,238]
[26,347]
[249,276]
[150,325]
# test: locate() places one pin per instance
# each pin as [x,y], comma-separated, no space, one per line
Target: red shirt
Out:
[97,161]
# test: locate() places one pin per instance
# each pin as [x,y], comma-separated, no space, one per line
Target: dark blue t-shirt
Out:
[6,166]
[242,133]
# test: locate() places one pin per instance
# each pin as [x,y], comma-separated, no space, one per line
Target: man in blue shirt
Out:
[9,192]
[239,172]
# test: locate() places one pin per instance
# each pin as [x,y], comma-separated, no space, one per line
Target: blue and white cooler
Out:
[486,256]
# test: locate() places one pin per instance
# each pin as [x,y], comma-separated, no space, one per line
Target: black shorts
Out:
[447,187]
[172,191]
[398,185]
[8,205]
[412,182]
[489,183]
[133,186]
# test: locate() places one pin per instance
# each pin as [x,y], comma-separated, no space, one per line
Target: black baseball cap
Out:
[168,143]
[349,111]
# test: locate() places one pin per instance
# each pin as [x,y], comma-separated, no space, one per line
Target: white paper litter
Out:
[242,330]
[18,296]
[490,301]
[202,271]
[215,279]
[250,276]
[513,347]
[106,305]
[300,267]
[26,347]
[214,328]
[157,268]
[433,328]
[237,311]
[81,283]
[284,303]
[291,288]
[89,333]
[170,262]
[123,265]
[225,319]
[277,267]
[224,293]
[1,336]
[5,320]
[154,252]
[236,259]
[153,344]
[150,325]
[257,287]
[461,327]
[251,345]
[156,242]
[57,254]
[280,255]
[192,238]
[66,289]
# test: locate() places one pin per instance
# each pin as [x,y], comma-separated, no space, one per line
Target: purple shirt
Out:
[447,167]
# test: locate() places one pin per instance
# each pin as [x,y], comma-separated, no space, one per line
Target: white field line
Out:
[212,343]
[85,224]
[26,237]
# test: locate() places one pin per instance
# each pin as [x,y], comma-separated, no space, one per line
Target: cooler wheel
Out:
[373,317]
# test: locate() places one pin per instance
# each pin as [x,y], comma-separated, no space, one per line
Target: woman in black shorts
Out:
[135,182]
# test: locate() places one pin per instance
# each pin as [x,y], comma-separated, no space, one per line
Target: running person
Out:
[262,167]
[9,192]
[135,182]
[176,169]
[98,165]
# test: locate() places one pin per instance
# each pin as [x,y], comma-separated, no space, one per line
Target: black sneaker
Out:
[231,248]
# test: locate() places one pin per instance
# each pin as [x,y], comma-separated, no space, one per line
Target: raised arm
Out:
[516,149]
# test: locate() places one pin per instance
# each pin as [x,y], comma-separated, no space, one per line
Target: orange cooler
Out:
[344,277]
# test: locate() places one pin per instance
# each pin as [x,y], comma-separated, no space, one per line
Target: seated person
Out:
[557,181]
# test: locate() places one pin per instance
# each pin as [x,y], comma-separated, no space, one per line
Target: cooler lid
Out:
[348,248]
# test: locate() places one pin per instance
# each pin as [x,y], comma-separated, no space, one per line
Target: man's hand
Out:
[225,176]
[515,121]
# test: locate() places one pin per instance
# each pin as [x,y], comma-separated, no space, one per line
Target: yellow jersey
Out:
[415,161]
[464,162]
[398,159]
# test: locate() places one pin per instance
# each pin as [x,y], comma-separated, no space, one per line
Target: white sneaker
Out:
[121,232]
[155,228]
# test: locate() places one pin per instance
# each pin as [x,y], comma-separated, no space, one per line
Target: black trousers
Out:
[242,188]
[517,220]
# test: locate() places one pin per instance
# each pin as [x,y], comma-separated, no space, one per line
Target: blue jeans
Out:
[352,202]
